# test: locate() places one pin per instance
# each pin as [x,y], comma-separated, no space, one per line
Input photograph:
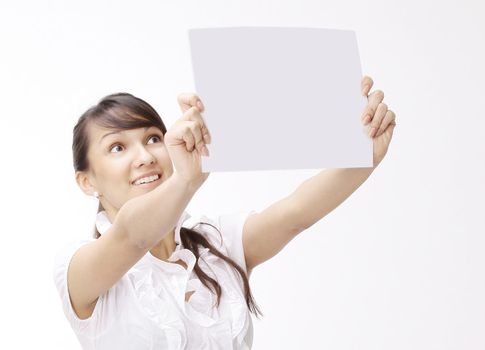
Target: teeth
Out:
[146,179]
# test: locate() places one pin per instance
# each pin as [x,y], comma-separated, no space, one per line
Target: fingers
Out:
[373,101]
[366,85]
[187,100]
[197,133]
[389,120]
[192,137]
[377,119]
[189,140]
[193,114]
[376,114]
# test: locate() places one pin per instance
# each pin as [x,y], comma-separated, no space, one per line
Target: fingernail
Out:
[366,119]
[205,151]
[200,105]
[206,138]
[372,131]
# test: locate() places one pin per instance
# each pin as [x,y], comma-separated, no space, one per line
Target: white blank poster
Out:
[280,98]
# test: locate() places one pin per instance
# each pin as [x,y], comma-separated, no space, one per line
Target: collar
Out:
[103,224]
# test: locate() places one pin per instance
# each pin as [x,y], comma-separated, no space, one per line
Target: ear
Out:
[85,183]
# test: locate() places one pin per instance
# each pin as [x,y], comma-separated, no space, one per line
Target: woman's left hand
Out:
[379,120]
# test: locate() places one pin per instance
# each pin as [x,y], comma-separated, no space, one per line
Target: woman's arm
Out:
[145,218]
[322,193]
[98,265]
[267,232]
[142,221]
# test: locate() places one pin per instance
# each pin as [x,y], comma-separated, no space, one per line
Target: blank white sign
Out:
[280,98]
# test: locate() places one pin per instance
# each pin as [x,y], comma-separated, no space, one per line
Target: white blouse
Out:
[146,308]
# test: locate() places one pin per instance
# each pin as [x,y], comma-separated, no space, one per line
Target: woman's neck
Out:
[165,247]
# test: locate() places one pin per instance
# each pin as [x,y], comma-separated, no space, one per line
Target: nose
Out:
[143,157]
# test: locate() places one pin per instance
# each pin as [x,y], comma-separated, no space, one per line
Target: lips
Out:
[151,173]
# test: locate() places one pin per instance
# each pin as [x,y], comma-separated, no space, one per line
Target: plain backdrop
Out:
[399,265]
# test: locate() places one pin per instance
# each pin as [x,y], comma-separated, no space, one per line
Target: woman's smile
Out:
[148,181]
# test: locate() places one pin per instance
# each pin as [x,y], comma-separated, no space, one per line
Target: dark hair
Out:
[123,111]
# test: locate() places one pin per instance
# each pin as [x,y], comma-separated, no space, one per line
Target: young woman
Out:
[153,277]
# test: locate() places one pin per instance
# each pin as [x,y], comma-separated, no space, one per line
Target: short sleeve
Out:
[231,228]
[61,265]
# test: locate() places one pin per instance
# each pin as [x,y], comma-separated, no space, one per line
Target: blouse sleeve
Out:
[231,228]
[61,264]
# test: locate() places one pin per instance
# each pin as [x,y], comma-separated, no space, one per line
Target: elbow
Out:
[297,218]
[140,243]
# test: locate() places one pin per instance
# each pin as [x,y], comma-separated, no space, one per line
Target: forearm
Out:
[320,194]
[149,217]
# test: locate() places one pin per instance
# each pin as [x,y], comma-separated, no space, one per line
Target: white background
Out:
[399,265]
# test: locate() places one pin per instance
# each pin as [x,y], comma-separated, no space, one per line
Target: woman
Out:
[153,277]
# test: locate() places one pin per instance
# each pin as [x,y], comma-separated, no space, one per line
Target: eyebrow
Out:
[117,132]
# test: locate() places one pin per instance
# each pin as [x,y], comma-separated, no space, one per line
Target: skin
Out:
[267,232]
[111,174]
[116,160]
[140,151]
[379,120]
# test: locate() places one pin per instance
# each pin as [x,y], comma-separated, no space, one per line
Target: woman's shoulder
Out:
[225,230]
[63,257]
[67,249]
[229,223]
[61,263]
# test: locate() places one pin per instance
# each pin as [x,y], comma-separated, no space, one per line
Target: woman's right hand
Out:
[186,139]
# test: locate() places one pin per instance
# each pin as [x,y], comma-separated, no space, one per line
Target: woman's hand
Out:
[186,140]
[379,120]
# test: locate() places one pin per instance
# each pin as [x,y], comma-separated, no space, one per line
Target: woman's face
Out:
[119,157]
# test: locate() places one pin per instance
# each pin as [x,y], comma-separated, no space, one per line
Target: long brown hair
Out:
[123,111]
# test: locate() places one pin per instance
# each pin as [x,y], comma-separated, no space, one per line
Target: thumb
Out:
[188,100]
[366,85]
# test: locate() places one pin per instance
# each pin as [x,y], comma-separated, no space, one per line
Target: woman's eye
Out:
[117,147]
[154,136]
[114,147]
